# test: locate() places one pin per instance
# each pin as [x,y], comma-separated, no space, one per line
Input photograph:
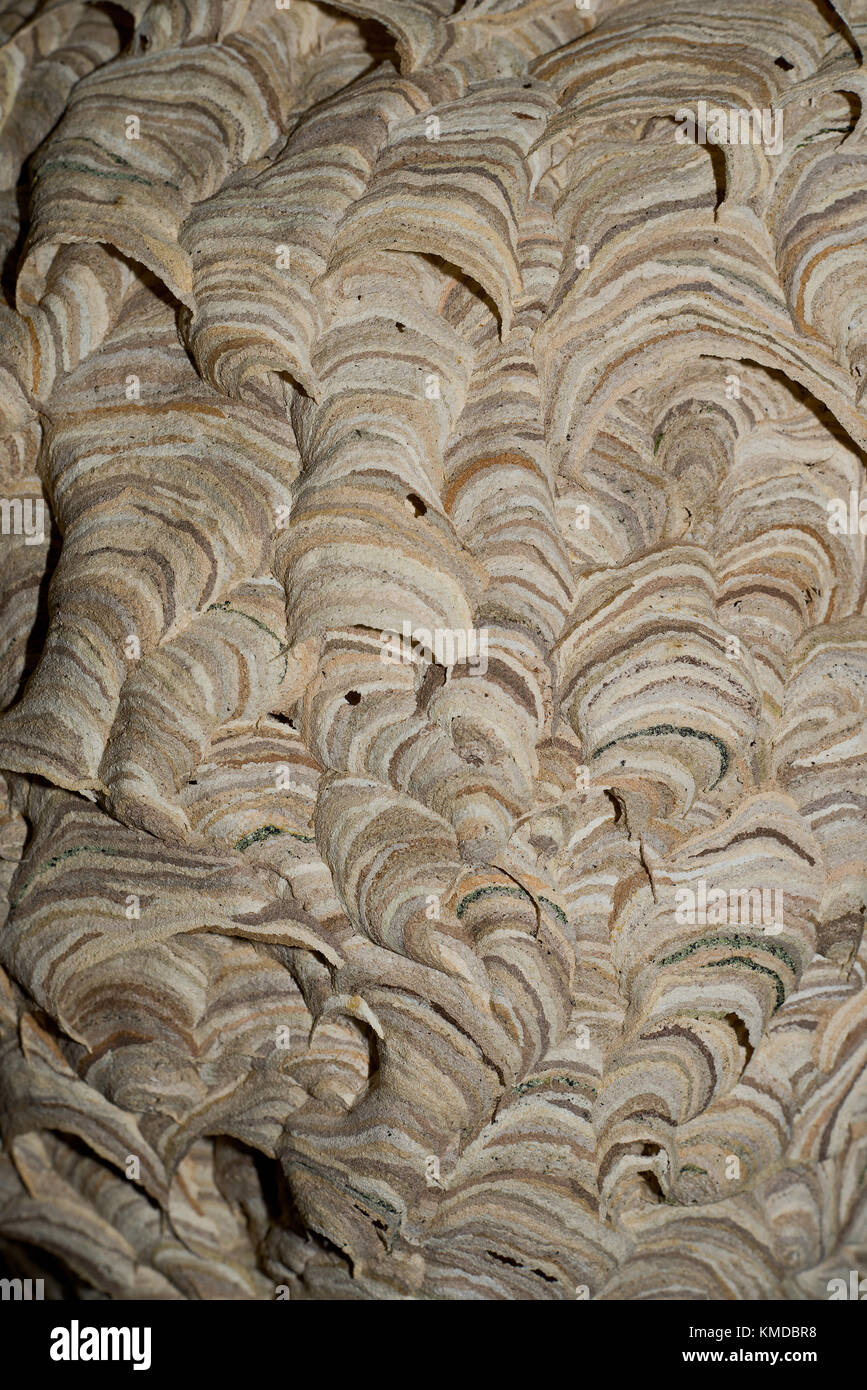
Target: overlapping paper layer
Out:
[436,460]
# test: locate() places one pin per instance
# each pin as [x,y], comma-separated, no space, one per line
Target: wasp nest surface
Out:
[434,647]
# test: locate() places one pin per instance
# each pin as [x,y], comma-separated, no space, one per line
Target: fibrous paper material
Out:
[434,653]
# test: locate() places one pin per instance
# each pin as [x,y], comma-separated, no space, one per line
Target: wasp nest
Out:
[434,647]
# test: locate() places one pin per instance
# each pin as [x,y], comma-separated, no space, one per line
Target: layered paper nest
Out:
[434,652]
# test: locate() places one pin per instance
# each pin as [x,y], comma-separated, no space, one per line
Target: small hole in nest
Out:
[741,1033]
[505,1259]
[353,697]
[651,1181]
[401,327]
[416,505]
[783,63]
